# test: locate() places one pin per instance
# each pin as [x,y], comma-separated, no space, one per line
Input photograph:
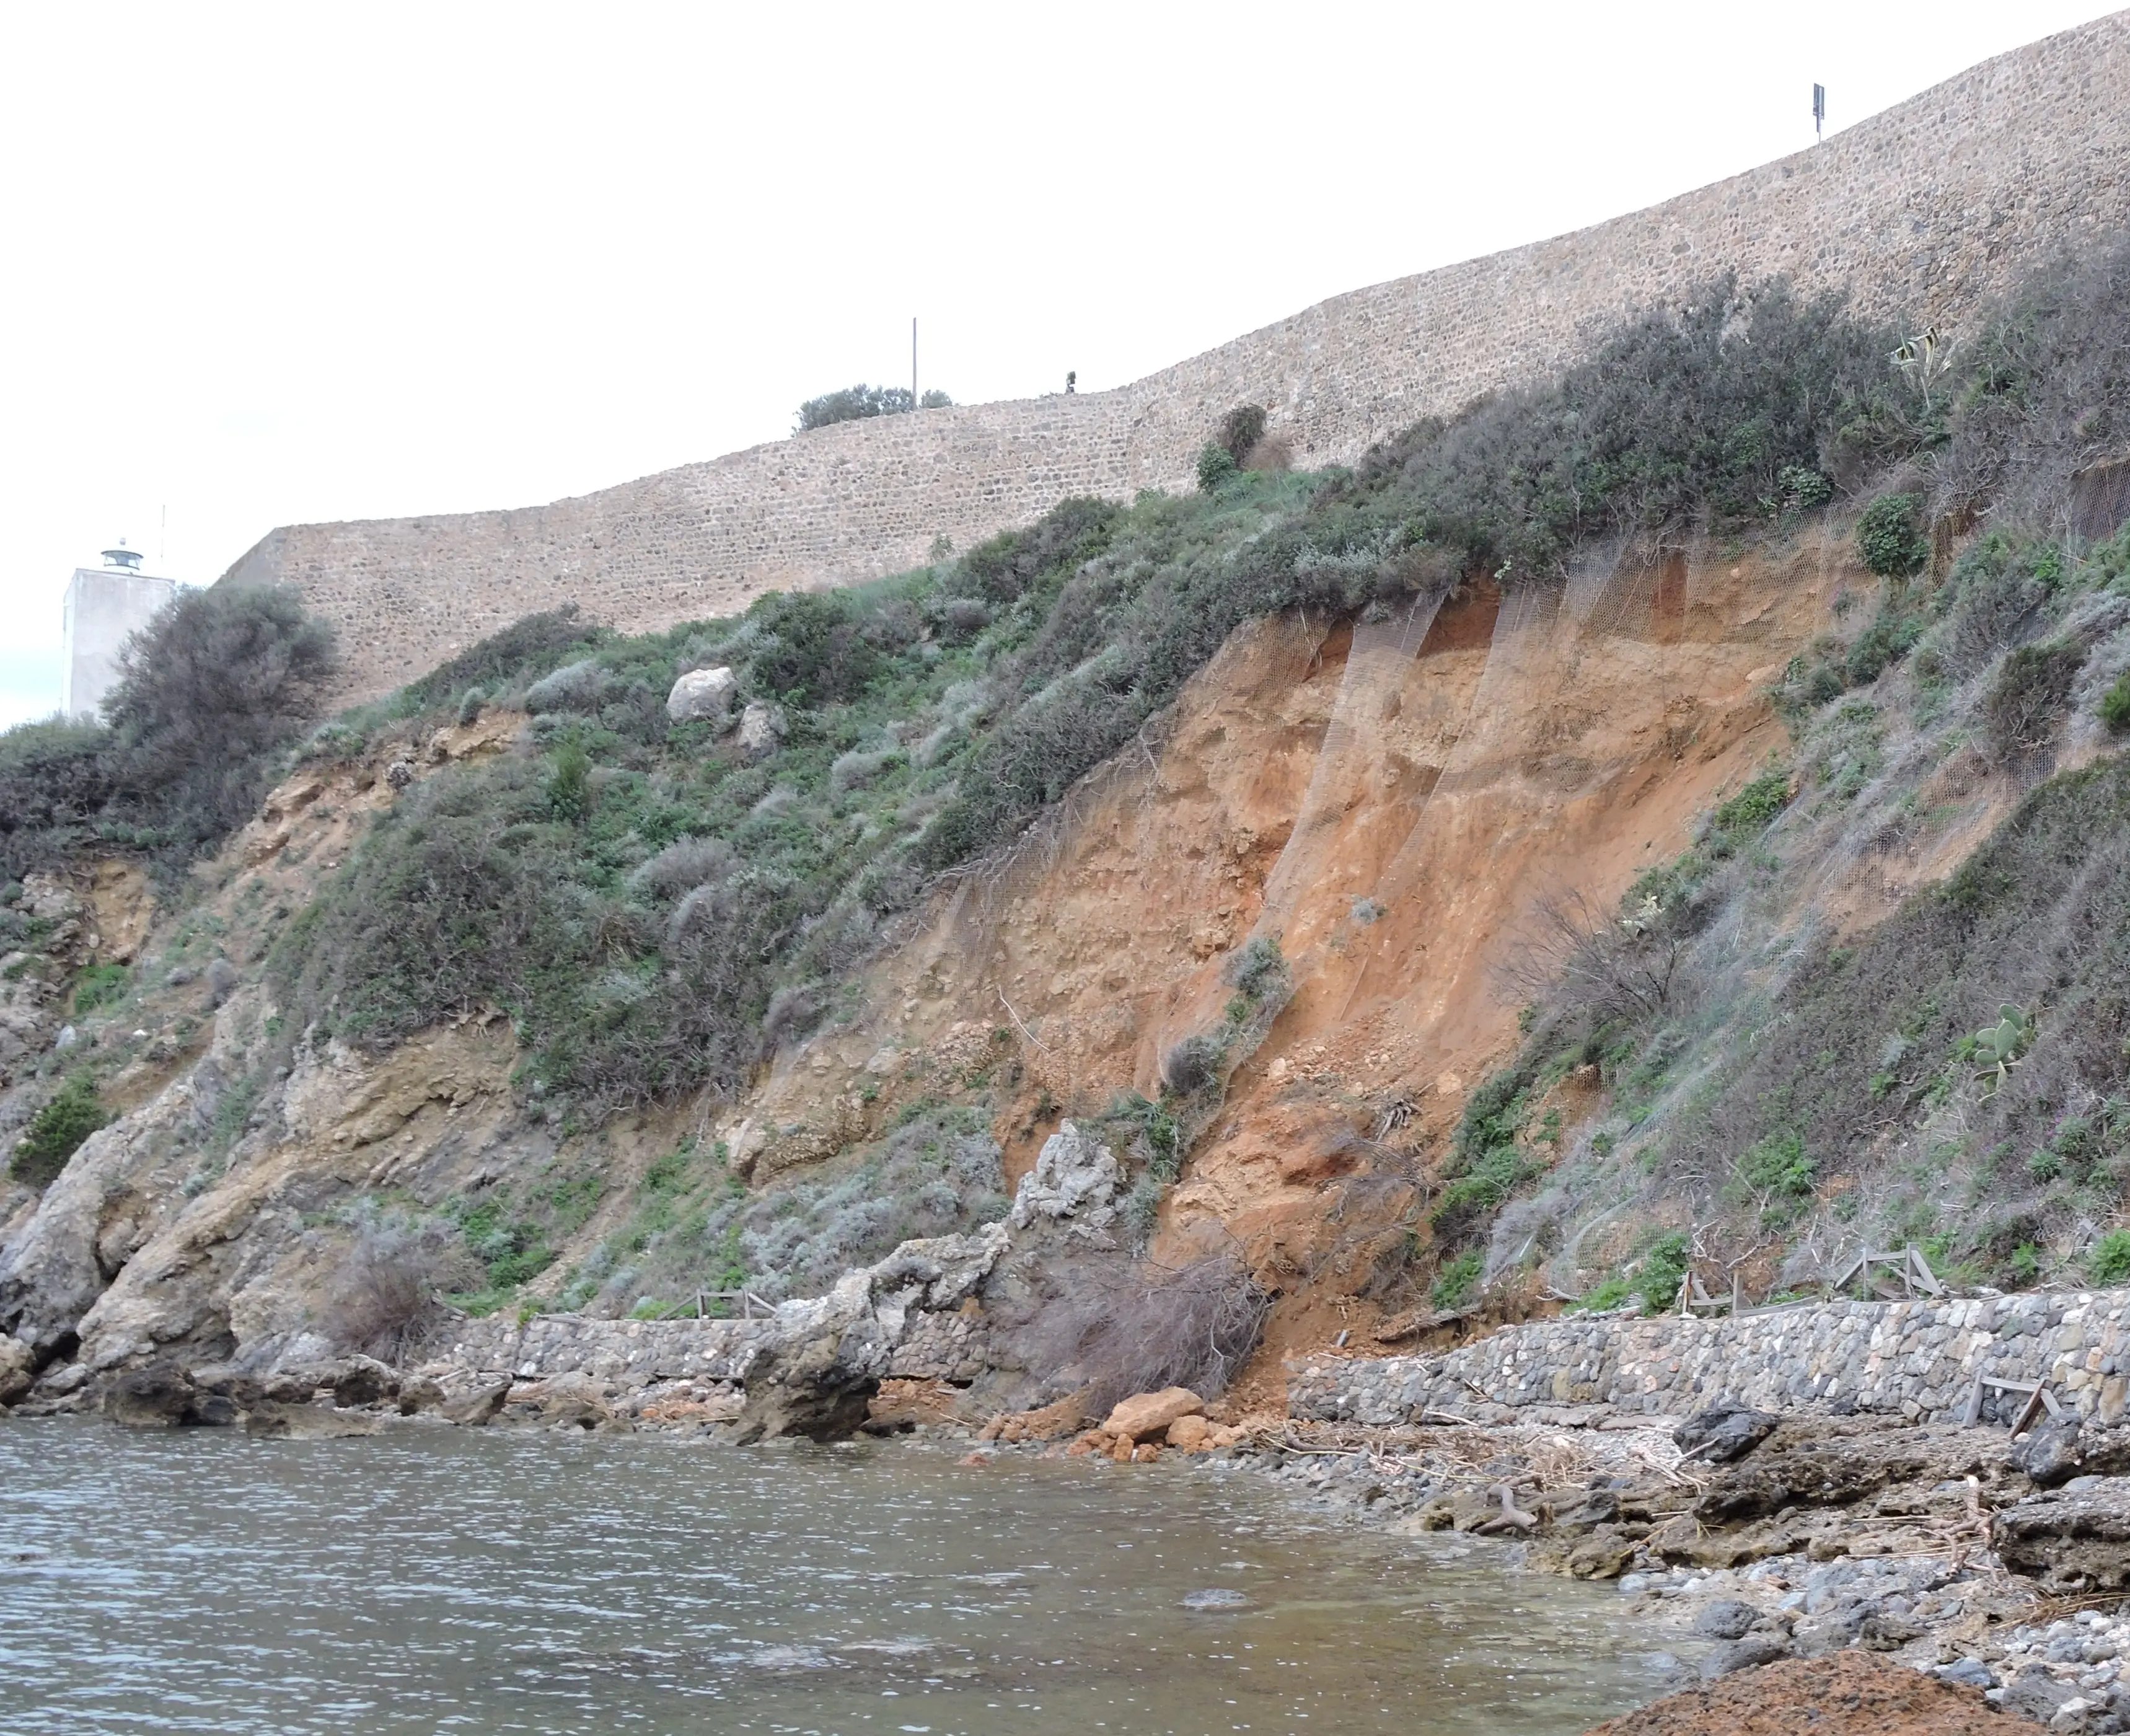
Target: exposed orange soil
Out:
[1453,769]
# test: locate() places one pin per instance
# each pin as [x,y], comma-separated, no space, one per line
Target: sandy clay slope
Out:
[1391,802]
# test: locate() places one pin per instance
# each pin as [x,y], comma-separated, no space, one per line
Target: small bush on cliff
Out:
[2043,393]
[1663,1270]
[1890,537]
[222,679]
[2115,705]
[1216,465]
[1458,1279]
[57,1131]
[504,662]
[58,794]
[2109,1262]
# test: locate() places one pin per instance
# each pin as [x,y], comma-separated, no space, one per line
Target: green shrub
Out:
[855,403]
[569,785]
[1890,537]
[1803,487]
[57,1132]
[2115,704]
[1889,638]
[1260,971]
[98,986]
[58,793]
[1458,1278]
[813,650]
[2109,1261]
[1487,1162]
[512,1251]
[1216,465]
[208,695]
[222,679]
[1194,1063]
[1609,1293]
[2044,383]
[1708,410]
[1663,1270]
[1778,1164]
[518,654]
[1753,808]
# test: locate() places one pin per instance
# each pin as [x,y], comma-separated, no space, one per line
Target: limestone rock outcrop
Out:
[1073,1178]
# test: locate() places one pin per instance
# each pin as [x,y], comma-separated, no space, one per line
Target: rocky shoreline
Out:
[1943,1483]
[1991,1564]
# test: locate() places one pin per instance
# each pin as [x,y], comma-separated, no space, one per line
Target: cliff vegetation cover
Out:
[656,905]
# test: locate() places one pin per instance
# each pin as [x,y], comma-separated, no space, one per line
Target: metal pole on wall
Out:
[913,362]
[1818,109]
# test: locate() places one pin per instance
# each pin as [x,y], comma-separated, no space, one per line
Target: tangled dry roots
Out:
[1138,1327]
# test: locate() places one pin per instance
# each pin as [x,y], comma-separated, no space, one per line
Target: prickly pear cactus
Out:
[1999,1047]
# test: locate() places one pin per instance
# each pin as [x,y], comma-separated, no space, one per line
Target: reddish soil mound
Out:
[1850,1694]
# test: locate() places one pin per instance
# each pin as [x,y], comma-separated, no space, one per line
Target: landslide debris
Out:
[1850,1694]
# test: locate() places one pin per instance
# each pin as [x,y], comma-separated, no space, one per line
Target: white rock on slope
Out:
[1073,1178]
[702,693]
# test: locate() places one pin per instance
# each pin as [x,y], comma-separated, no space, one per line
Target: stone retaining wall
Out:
[1921,212]
[1919,1358]
[635,1353]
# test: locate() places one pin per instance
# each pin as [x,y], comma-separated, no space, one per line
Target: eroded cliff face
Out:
[1392,800]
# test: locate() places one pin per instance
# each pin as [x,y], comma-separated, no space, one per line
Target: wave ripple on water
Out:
[492,1581]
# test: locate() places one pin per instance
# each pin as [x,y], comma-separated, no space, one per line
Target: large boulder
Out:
[702,695]
[1723,1432]
[161,1397]
[1145,1414]
[1073,1178]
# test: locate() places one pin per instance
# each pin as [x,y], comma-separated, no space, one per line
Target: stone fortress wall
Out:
[1921,212]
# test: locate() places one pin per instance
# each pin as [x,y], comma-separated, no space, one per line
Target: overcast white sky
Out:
[274,264]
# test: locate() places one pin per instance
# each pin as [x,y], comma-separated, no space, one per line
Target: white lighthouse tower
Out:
[104,605]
